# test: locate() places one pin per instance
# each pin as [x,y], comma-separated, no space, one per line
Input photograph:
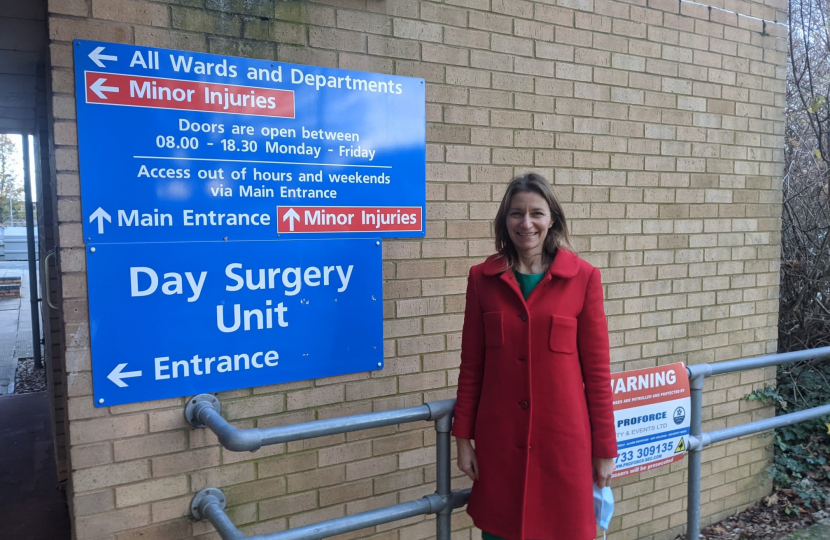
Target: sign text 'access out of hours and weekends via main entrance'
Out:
[183,146]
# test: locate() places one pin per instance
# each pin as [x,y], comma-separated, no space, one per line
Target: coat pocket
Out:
[493,329]
[562,334]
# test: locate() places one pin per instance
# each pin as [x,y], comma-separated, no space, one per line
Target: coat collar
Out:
[565,265]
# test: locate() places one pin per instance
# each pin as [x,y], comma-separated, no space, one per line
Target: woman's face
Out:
[528,222]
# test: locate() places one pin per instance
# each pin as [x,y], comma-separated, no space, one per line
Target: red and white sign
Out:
[333,219]
[160,93]
[652,413]
[649,385]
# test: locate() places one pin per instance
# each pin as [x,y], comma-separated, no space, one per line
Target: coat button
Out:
[523,316]
[524,405]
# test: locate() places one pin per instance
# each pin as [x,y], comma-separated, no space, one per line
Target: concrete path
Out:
[15,326]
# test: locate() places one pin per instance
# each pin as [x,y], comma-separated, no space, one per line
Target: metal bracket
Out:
[196,503]
[192,408]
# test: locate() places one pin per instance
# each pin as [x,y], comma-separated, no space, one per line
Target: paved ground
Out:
[33,507]
[15,325]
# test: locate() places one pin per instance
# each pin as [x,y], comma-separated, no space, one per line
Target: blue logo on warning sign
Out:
[679,415]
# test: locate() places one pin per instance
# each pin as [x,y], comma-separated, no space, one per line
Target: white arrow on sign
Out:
[99,89]
[117,374]
[292,215]
[96,57]
[100,215]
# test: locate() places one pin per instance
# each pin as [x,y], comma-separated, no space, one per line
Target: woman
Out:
[534,388]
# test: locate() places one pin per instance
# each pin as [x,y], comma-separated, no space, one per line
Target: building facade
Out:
[660,124]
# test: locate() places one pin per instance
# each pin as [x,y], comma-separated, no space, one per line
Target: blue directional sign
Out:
[177,319]
[183,146]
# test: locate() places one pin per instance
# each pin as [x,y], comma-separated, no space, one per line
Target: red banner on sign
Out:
[328,219]
[159,93]
[649,385]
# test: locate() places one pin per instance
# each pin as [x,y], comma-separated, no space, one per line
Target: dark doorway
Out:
[33,461]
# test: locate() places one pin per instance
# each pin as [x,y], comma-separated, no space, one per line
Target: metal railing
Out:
[699,440]
[209,504]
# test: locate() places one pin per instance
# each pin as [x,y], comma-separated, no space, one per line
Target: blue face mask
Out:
[603,506]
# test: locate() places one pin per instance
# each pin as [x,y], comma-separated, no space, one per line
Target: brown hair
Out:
[558,233]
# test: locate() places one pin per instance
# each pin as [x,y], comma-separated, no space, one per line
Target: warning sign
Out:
[651,416]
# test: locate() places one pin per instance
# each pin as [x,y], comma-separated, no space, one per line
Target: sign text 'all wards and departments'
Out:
[183,146]
[178,319]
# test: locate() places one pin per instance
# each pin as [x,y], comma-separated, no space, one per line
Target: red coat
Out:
[534,392]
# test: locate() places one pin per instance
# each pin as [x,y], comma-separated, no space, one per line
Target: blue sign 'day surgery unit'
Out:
[178,319]
[183,146]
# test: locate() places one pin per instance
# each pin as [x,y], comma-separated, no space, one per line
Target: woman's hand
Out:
[603,467]
[467,462]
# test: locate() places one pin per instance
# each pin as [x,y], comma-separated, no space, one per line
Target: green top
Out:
[527,282]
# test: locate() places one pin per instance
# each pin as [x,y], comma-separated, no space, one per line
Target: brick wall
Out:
[660,122]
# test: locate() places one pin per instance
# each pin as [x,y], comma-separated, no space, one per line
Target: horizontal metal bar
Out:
[203,412]
[764,425]
[718,368]
[331,426]
[210,509]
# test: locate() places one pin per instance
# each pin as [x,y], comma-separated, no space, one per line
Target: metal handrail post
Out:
[34,299]
[443,476]
[693,483]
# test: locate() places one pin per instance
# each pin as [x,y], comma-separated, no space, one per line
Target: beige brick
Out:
[161,531]
[399,480]
[315,397]
[130,12]
[287,505]
[316,478]
[152,445]
[370,467]
[370,389]
[287,464]
[254,491]
[185,462]
[345,492]
[151,491]
[167,420]
[315,516]
[84,457]
[222,476]
[98,525]
[110,475]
